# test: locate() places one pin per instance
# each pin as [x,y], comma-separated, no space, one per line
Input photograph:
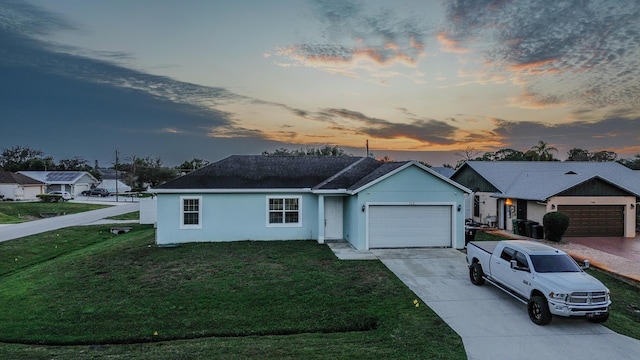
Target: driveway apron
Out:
[492,324]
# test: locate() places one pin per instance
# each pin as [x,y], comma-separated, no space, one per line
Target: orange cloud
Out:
[450,45]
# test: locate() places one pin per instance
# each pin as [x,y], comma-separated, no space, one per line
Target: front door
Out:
[333,218]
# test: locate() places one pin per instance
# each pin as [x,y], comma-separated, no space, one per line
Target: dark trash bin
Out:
[522,227]
[537,231]
[529,228]
[516,226]
[469,234]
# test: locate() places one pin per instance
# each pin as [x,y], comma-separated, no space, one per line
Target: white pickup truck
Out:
[546,279]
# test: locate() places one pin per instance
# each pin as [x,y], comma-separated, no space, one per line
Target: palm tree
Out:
[541,152]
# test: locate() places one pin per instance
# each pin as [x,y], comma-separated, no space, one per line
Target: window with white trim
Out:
[191,212]
[283,211]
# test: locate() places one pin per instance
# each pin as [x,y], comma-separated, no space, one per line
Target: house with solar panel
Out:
[74,182]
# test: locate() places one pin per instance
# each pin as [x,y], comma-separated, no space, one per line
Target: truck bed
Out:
[487,246]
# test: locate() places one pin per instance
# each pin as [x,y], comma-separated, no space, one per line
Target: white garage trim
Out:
[410,224]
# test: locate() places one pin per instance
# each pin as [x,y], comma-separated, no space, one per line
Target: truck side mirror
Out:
[514,264]
[586,265]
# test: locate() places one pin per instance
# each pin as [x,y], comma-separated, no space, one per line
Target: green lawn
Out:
[128,216]
[16,212]
[85,293]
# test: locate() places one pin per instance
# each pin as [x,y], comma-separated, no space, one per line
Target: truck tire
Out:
[476,275]
[538,310]
[600,319]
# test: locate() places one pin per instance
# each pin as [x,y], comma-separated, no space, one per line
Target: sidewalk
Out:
[621,267]
[15,231]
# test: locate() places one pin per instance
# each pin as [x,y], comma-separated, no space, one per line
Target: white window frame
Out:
[182,212]
[284,224]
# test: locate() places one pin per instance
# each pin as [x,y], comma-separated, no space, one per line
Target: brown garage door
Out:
[594,220]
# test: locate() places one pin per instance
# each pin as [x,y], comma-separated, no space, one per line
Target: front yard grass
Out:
[85,293]
[17,212]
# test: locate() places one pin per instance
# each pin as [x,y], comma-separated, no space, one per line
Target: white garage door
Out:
[394,226]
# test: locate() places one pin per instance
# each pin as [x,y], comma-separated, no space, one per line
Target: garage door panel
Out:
[409,226]
[594,220]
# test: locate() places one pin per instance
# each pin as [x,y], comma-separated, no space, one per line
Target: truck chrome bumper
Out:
[562,309]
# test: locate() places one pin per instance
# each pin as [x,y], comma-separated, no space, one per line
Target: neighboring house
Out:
[370,204]
[74,182]
[112,181]
[14,186]
[114,186]
[600,198]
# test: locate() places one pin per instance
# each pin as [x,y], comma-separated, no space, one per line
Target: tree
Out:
[632,163]
[20,158]
[147,171]
[540,152]
[194,164]
[602,156]
[74,164]
[509,155]
[577,154]
[326,150]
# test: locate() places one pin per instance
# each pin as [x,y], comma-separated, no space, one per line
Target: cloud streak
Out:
[425,131]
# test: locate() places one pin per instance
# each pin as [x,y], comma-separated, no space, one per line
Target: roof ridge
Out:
[336,175]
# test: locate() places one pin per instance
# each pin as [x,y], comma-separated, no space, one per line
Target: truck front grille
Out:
[588,297]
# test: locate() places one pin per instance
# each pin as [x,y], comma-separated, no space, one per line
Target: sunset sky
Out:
[417,79]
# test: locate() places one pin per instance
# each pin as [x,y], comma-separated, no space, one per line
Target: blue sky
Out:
[417,79]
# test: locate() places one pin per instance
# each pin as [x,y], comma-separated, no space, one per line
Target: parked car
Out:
[66,196]
[96,192]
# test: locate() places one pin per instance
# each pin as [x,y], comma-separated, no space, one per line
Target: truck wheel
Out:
[476,274]
[600,319]
[538,309]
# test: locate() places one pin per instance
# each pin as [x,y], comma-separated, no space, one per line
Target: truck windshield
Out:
[554,263]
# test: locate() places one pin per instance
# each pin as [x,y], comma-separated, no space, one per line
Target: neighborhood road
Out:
[493,325]
[15,231]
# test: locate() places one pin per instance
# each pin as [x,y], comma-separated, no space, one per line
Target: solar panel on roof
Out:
[62,176]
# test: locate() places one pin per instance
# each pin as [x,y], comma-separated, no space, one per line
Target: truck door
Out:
[521,275]
[501,265]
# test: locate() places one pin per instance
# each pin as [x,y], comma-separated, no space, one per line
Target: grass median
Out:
[95,292]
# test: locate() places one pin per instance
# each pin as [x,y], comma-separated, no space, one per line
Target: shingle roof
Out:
[275,172]
[7,177]
[539,180]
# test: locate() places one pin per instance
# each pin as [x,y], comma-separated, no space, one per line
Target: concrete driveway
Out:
[492,324]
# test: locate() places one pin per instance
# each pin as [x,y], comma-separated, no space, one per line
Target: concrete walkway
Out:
[14,231]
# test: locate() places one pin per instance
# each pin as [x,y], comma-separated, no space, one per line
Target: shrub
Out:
[49,198]
[555,224]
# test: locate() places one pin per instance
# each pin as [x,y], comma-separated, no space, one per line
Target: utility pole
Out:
[116,167]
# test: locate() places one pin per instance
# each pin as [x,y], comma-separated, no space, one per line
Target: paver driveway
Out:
[492,324]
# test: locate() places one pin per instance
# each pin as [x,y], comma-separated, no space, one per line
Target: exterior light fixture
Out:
[459,207]
[363,208]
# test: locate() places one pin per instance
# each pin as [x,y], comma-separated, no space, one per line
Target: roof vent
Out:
[571,172]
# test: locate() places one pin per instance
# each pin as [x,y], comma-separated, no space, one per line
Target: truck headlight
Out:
[558,296]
